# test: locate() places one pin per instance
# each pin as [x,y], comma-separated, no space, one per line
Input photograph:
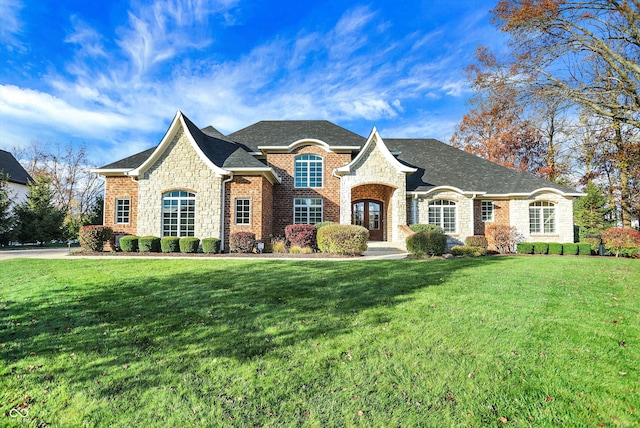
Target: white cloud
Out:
[10,21]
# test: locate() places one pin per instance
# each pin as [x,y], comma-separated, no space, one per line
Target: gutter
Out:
[222,206]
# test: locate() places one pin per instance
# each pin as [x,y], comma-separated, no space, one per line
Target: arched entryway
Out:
[371,206]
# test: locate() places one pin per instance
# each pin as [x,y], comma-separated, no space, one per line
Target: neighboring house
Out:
[199,182]
[19,179]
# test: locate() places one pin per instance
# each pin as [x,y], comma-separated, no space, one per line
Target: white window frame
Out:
[308,171]
[487,208]
[123,211]
[305,210]
[243,211]
[440,211]
[542,218]
[174,203]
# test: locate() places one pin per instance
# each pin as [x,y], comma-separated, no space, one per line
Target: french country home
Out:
[199,182]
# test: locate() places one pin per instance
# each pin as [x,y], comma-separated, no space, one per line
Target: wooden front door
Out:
[368,213]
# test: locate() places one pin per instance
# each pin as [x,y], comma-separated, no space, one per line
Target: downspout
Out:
[414,209]
[473,214]
[222,206]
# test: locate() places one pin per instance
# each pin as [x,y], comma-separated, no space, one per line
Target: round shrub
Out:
[570,249]
[344,239]
[421,227]
[594,243]
[211,245]
[92,238]
[476,241]
[129,243]
[170,244]
[429,243]
[149,244]
[584,249]
[468,251]
[301,235]
[189,244]
[621,242]
[242,242]
[524,248]
[555,248]
[540,248]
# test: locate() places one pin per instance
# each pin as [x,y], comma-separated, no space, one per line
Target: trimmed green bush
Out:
[211,245]
[540,248]
[344,239]
[92,238]
[468,251]
[476,241]
[170,244]
[129,243]
[324,223]
[584,249]
[242,242]
[189,244]
[149,244]
[555,248]
[429,243]
[524,248]
[421,227]
[594,242]
[570,249]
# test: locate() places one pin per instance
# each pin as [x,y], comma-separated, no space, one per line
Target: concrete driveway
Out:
[35,253]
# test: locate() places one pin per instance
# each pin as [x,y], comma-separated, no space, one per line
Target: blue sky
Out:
[112,74]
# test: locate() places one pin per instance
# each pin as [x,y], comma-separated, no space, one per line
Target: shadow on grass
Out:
[178,313]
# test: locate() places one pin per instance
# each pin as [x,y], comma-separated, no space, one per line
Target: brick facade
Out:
[500,214]
[259,191]
[121,188]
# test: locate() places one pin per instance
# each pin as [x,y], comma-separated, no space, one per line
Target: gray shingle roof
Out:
[285,132]
[130,162]
[440,164]
[11,167]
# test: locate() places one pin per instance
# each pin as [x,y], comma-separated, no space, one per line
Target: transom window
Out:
[307,210]
[308,171]
[178,213]
[542,217]
[487,210]
[443,213]
[243,211]
[123,210]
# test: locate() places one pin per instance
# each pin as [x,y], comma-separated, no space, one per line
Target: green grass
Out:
[518,341]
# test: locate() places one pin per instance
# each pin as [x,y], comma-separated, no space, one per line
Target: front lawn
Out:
[495,341]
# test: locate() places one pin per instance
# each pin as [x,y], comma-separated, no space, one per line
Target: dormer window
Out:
[308,171]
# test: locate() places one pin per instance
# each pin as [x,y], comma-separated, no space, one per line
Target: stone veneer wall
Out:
[284,193]
[564,218]
[374,168]
[260,192]
[464,214]
[180,168]
[120,188]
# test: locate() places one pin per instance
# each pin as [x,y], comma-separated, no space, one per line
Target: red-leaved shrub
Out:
[622,242]
[301,235]
[242,242]
[501,237]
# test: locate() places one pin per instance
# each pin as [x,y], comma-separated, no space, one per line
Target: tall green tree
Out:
[37,219]
[592,212]
[6,215]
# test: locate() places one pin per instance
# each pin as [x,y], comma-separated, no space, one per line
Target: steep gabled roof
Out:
[280,133]
[130,162]
[11,167]
[440,164]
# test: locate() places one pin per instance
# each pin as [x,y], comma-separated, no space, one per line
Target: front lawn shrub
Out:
[129,243]
[189,244]
[302,235]
[594,242]
[555,248]
[501,237]
[468,251]
[540,248]
[621,242]
[170,244]
[323,224]
[427,243]
[584,249]
[570,249]
[524,248]
[296,249]
[421,227]
[279,245]
[149,244]
[476,241]
[344,239]
[242,242]
[92,238]
[211,245]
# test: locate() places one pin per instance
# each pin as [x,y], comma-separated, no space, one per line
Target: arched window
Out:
[308,171]
[542,217]
[178,213]
[443,213]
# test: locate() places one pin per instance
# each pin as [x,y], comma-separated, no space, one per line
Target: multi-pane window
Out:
[307,210]
[443,213]
[123,210]
[308,171]
[487,210]
[542,217]
[243,211]
[178,213]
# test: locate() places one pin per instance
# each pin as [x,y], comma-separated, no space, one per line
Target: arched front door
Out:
[368,213]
